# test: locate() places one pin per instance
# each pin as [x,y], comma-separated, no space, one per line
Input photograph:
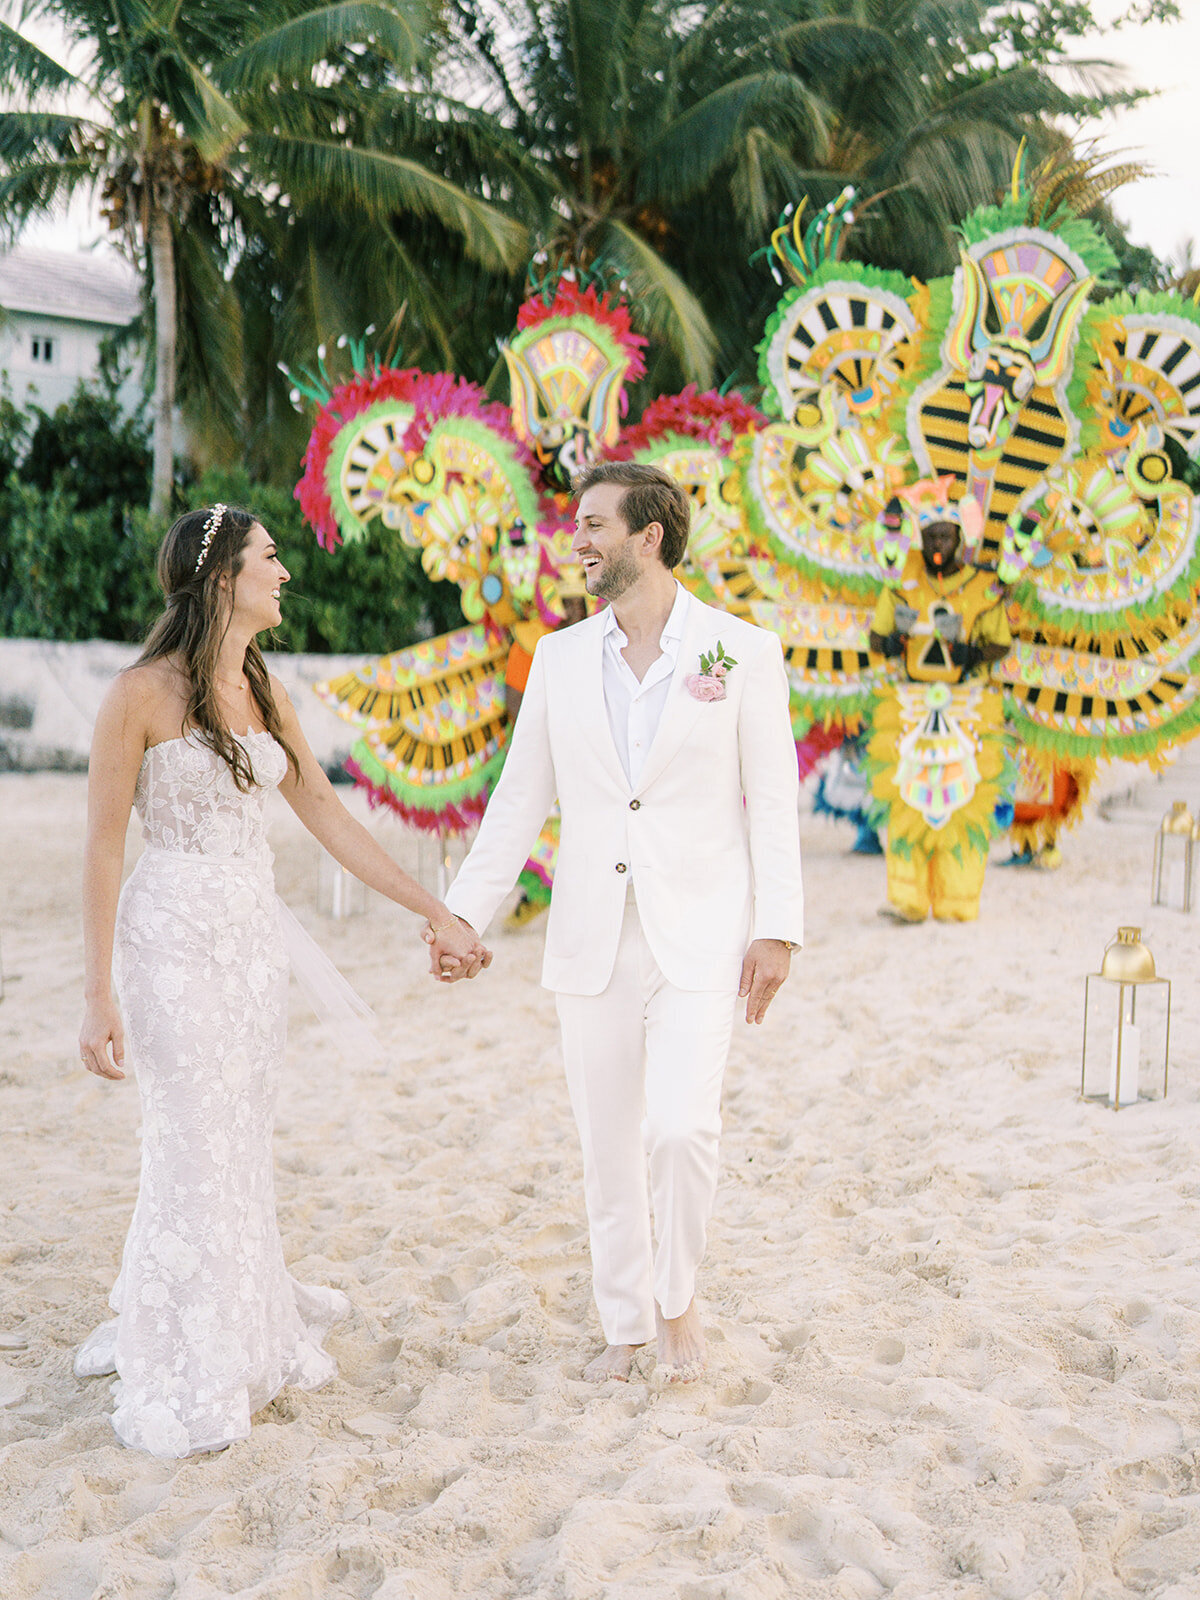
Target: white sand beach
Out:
[954,1311]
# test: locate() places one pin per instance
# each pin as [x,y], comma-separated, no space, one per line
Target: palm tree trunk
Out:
[162,262]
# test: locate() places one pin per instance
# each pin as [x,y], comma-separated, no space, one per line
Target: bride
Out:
[195,735]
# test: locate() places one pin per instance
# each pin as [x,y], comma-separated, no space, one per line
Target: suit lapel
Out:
[682,709]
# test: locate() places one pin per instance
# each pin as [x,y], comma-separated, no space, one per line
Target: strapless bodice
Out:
[188,803]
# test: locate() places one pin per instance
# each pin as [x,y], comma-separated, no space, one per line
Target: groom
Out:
[661,727]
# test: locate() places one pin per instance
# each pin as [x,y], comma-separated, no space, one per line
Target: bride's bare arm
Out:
[118,744]
[315,801]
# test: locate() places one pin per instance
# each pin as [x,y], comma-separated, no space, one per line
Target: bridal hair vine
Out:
[213,522]
[709,682]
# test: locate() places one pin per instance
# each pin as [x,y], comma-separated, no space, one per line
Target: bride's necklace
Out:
[233,688]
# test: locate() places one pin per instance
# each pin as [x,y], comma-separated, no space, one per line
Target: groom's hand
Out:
[455,951]
[767,964]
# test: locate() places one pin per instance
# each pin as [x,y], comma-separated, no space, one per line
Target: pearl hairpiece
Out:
[210,527]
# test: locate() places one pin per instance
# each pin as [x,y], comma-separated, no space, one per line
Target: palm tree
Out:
[928,103]
[204,125]
[671,136]
[633,110]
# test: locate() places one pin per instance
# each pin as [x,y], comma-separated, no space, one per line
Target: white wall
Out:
[50,694]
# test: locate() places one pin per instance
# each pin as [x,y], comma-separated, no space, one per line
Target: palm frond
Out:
[30,135]
[289,51]
[684,157]
[40,188]
[320,172]
[210,120]
[826,48]
[465,145]
[586,61]
[667,308]
[27,70]
[210,347]
[1021,92]
[764,179]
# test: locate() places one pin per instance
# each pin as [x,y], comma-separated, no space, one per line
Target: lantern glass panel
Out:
[1174,871]
[1145,1040]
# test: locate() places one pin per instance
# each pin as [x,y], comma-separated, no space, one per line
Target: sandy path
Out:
[955,1312]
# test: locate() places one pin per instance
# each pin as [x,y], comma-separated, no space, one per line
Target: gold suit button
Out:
[635,805]
[621,867]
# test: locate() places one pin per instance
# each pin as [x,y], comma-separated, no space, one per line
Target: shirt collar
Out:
[672,632]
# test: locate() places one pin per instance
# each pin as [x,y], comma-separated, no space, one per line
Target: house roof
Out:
[55,283]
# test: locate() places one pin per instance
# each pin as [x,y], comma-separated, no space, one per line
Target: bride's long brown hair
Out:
[194,624]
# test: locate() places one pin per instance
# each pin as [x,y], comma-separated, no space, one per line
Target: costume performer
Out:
[936,755]
[661,727]
[1064,420]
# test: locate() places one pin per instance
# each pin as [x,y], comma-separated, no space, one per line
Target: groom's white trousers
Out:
[644,1062]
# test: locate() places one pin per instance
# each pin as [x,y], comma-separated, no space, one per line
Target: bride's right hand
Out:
[102,1028]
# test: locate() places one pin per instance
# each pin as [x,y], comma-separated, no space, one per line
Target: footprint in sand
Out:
[889,1352]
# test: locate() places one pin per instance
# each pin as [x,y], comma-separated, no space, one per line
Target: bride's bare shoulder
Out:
[151,696]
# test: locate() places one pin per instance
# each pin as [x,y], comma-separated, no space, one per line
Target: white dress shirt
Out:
[635,709]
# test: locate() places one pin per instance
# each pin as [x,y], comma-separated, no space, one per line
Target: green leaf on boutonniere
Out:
[716,658]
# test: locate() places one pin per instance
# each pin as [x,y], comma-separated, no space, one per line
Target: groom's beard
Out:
[616,574]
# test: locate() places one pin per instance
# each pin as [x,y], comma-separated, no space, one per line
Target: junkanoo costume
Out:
[665,874]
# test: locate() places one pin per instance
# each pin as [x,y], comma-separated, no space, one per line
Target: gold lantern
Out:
[1128,966]
[1174,848]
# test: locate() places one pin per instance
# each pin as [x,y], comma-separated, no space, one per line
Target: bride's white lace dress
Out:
[209,1325]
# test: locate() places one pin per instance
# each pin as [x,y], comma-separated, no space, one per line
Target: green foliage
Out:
[72,573]
[73,559]
[88,447]
[77,560]
[14,436]
[215,130]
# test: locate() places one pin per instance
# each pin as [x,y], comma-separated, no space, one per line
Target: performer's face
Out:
[939,545]
[604,543]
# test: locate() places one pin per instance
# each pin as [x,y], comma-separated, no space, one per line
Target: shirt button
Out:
[621,867]
[635,805]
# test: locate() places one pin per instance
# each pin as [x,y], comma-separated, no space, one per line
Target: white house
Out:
[55,308]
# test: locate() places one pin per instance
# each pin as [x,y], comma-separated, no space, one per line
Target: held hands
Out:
[102,1027]
[764,969]
[454,950]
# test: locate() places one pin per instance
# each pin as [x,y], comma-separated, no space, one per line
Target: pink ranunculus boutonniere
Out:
[709,682]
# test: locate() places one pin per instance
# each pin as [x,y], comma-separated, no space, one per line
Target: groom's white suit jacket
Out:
[708,835]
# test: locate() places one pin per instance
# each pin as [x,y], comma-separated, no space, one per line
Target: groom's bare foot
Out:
[614,1361]
[682,1355]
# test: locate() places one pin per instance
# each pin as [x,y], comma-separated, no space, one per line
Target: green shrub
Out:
[77,549]
[90,448]
[68,572]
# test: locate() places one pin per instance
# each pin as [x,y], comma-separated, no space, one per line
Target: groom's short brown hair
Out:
[651,495]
